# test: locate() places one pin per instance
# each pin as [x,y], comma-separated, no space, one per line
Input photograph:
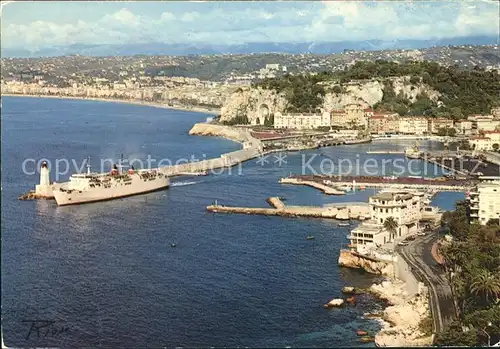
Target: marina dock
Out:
[344,211]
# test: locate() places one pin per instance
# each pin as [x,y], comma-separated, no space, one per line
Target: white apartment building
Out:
[490,141]
[464,127]
[403,205]
[355,115]
[483,200]
[438,123]
[301,121]
[413,125]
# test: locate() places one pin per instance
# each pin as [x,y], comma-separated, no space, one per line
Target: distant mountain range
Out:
[258,47]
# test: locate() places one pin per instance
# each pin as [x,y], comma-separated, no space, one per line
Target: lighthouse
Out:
[44,189]
[44,174]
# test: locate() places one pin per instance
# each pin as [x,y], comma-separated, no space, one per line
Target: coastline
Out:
[111,100]
[402,319]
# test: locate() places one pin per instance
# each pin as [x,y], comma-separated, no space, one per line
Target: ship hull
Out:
[64,198]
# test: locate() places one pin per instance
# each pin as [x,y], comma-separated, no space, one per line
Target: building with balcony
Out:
[489,141]
[383,123]
[405,206]
[355,115]
[301,121]
[464,127]
[413,125]
[483,200]
[438,123]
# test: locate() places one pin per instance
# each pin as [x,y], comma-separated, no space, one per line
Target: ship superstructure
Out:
[92,187]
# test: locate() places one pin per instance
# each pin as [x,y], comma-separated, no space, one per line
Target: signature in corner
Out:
[45,329]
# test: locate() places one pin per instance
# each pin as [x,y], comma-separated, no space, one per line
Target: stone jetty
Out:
[436,184]
[345,211]
[252,148]
[323,187]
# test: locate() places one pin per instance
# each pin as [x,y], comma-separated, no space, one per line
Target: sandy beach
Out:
[149,104]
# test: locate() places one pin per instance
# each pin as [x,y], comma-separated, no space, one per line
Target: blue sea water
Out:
[107,271]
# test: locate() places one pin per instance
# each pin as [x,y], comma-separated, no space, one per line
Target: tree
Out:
[454,335]
[486,285]
[446,131]
[269,121]
[391,226]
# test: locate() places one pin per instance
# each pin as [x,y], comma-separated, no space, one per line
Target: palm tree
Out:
[391,226]
[486,285]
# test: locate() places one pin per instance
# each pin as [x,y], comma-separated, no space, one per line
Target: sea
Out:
[158,270]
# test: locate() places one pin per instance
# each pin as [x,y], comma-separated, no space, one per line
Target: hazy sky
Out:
[33,25]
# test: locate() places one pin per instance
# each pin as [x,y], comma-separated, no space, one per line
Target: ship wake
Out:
[182,184]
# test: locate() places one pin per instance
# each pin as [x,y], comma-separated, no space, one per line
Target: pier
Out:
[334,182]
[315,184]
[344,211]
[393,152]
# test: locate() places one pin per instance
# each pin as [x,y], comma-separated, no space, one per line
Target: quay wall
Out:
[252,148]
[405,186]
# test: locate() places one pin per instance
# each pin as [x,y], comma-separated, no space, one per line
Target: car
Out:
[410,238]
[423,233]
[403,243]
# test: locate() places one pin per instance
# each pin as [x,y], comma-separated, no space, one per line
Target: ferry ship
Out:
[92,187]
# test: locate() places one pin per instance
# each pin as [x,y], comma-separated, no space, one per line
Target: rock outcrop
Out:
[411,91]
[233,133]
[337,302]
[403,317]
[351,260]
[256,103]
[365,94]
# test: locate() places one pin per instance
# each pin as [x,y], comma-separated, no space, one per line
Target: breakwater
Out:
[382,182]
[324,188]
[345,211]
[252,148]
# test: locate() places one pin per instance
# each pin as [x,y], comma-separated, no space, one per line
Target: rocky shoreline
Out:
[401,320]
[127,101]
[405,311]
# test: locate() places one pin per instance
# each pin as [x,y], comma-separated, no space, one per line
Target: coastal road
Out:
[418,255]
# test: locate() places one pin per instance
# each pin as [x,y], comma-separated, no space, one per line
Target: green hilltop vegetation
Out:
[473,263]
[463,92]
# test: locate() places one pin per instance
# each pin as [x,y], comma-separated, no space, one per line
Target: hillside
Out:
[411,88]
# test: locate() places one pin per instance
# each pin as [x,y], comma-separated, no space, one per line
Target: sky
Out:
[36,25]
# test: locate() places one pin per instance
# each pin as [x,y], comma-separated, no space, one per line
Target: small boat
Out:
[344,224]
[310,237]
[361,333]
